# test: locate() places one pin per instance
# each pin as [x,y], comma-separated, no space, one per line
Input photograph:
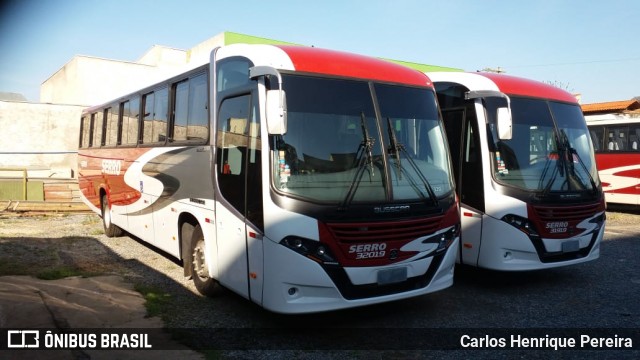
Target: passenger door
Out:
[462,134]
[238,210]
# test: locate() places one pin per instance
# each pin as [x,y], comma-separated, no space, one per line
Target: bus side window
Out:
[84,138]
[154,116]
[190,117]
[130,119]
[198,125]
[111,129]
[634,139]
[232,73]
[180,110]
[597,137]
[160,111]
[618,138]
[147,117]
[97,129]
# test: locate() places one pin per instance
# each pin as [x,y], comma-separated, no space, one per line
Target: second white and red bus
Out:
[525,172]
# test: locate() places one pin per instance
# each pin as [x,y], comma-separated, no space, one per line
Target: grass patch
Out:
[59,273]
[91,220]
[156,300]
[96,232]
[8,267]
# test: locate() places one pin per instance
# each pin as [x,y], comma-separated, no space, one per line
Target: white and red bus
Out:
[525,172]
[303,179]
[616,139]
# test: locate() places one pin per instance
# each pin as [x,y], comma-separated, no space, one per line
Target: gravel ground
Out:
[34,244]
[74,244]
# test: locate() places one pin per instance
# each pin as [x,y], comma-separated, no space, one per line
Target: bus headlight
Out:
[312,249]
[520,223]
[444,239]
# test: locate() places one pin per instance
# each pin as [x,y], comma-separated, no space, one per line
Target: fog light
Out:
[292,291]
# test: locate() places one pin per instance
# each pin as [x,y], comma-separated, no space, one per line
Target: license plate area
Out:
[570,246]
[392,276]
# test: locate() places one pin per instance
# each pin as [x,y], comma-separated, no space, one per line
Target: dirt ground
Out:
[60,271]
[87,289]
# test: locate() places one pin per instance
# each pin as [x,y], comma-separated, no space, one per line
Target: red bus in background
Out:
[616,139]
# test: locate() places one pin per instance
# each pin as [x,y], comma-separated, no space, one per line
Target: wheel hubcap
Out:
[199,264]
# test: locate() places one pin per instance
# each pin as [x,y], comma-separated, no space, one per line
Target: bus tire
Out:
[110,229]
[205,285]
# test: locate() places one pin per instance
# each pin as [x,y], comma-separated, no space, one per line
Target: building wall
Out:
[91,81]
[163,56]
[42,138]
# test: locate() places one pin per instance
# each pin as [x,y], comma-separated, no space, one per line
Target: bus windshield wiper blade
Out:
[545,170]
[364,157]
[574,152]
[558,169]
[571,154]
[397,147]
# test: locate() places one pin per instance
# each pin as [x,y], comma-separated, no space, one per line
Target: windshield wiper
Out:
[571,151]
[397,147]
[558,169]
[571,171]
[565,160]
[364,157]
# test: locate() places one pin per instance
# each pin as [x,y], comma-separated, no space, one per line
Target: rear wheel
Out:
[110,229]
[201,279]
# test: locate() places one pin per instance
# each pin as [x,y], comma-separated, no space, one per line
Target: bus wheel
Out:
[204,284]
[110,229]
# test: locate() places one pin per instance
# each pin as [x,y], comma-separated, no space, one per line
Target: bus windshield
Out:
[550,151]
[337,151]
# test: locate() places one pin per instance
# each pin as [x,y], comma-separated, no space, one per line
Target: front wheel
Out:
[204,283]
[110,229]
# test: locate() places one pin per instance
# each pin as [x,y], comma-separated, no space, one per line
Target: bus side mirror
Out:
[276,112]
[505,124]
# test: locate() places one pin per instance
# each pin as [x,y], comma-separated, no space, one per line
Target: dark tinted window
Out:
[190,110]
[130,119]
[97,130]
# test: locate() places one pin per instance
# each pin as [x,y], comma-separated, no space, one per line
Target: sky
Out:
[586,47]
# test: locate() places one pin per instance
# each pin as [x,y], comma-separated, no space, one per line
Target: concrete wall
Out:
[163,56]
[40,137]
[200,53]
[92,81]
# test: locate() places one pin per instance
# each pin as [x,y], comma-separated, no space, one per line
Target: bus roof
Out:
[323,61]
[510,85]
[311,60]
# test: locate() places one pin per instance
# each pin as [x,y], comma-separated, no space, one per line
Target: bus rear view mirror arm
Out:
[505,123]
[276,112]
[276,102]
[503,116]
